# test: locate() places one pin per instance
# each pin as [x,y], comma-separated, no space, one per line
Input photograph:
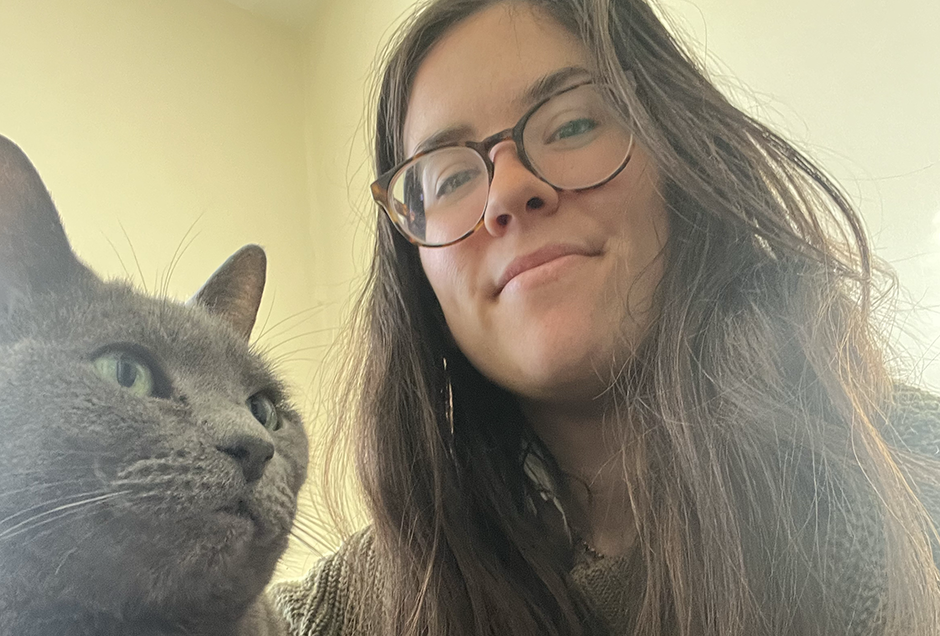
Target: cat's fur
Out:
[121,513]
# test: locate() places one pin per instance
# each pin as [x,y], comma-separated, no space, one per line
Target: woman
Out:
[617,371]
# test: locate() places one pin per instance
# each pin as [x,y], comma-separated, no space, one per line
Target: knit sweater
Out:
[341,595]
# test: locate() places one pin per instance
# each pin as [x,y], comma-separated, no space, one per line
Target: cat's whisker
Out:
[94,498]
[310,537]
[264,326]
[79,543]
[71,452]
[48,527]
[73,513]
[269,331]
[65,509]
[304,517]
[39,486]
[61,452]
[149,481]
[143,279]
[287,358]
[118,254]
[309,541]
[178,254]
[40,471]
[310,531]
[44,504]
[172,270]
[281,343]
[289,355]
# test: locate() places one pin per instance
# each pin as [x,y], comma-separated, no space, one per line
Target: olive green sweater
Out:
[341,595]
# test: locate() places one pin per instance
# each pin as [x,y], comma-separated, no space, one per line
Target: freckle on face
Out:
[555,332]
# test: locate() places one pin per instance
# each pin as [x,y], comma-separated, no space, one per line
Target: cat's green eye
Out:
[125,370]
[264,411]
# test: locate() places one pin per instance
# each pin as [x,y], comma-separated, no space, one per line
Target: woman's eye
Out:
[125,370]
[573,128]
[452,183]
[263,409]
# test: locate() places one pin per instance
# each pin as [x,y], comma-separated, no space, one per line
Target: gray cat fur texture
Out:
[149,459]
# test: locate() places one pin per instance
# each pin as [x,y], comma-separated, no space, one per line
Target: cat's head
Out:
[149,458]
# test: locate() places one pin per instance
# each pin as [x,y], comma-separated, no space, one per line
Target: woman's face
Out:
[581,266]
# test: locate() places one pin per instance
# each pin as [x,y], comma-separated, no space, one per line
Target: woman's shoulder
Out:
[913,418]
[914,428]
[339,596]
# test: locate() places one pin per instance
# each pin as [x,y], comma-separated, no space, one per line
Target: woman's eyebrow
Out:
[551,83]
[448,135]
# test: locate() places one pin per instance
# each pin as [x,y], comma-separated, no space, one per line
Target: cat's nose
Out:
[252,453]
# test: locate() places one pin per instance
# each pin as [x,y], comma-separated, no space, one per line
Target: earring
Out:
[449,403]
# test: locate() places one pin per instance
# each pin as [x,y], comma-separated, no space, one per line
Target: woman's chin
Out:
[558,375]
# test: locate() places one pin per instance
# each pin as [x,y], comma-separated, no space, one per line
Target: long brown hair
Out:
[750,417]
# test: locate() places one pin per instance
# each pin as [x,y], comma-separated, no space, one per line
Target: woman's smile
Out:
[541,266]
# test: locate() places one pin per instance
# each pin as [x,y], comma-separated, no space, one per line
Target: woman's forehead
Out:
[480,76]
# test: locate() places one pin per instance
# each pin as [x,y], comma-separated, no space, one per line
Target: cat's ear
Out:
[35,255]
[234,291]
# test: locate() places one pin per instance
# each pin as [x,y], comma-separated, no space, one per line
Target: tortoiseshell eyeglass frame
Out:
[381,185]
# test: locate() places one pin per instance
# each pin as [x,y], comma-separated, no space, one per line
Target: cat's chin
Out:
[240,525]
[239,537]
[179,573]
[240,509]
[256,524]
[157,556]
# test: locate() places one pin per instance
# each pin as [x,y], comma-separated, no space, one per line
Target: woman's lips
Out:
[535,259]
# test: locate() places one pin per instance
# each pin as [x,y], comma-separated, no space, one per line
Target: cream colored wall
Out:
[343,43]
[341,47]
[857,86]
[154,119]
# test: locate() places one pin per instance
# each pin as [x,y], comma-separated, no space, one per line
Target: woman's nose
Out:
[515,192]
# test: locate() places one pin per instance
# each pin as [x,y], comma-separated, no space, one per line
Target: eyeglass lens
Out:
[573,141]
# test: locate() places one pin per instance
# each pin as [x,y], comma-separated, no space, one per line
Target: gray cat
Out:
[149,459]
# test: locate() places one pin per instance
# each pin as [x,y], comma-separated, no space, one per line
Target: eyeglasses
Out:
[573,141]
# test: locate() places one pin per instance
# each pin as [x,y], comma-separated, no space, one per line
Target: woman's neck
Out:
[599,510]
